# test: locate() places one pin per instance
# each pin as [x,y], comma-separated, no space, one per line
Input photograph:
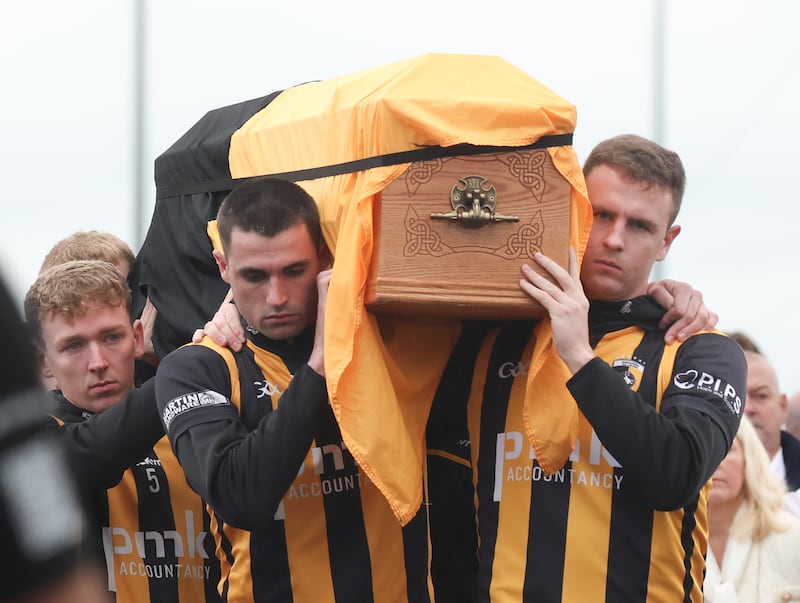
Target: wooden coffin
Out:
[451,235]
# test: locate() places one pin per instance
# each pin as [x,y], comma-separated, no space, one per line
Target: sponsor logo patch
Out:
[187,402]
[514,456]
[705,382]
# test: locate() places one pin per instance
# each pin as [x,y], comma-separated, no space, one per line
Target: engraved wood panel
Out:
[454,267]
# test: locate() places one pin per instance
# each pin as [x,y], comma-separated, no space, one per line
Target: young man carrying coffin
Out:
[591,477]
[687,314]
[294,517]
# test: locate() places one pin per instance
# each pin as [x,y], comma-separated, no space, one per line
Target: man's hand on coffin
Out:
[566,305]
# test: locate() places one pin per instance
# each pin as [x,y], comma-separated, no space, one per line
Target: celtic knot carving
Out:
[526,241]
[422,172]
[421,239]
[528,168]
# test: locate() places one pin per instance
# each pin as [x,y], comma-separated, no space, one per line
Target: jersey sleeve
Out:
[710,376]
[243,474]
[670,454]
[193,386]
[103,446]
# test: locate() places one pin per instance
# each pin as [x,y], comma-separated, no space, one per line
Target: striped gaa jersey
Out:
[153,529]
[624,520]
[293,516]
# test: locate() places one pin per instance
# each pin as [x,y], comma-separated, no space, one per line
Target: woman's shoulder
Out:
[780,559]
[778,539]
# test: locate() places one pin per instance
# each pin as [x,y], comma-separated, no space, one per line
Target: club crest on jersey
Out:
[630,369]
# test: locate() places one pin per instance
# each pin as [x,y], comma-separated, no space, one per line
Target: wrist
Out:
[577,360]
[317,364]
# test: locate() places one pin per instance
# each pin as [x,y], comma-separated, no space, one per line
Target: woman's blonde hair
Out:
[761,511]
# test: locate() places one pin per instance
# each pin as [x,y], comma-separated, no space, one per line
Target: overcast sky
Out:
[729,106]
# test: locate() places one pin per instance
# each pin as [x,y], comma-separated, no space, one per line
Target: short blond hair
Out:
[71,288]
[89,245]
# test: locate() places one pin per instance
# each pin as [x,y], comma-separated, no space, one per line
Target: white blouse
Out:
[762,572]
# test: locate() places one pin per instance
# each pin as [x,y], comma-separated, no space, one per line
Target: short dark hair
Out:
[267,205]
[641,160]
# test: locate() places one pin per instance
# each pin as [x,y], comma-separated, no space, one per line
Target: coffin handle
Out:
[474,203]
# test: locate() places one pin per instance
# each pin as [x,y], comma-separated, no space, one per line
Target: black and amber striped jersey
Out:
[153,529]
[294,517]
[625,518]
[102,446]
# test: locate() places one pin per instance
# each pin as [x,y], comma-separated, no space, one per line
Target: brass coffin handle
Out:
[473,203]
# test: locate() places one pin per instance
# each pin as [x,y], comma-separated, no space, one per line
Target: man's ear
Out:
[46,377]
[44,367]
[138,339]
[222,264]
[672,232]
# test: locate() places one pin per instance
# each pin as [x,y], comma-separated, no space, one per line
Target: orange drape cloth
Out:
[382,372]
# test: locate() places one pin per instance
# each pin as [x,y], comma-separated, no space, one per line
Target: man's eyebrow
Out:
[297,264]
[255,271]
[110,329]
[647,222]
[252,270]
[113,328]
[69,339]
